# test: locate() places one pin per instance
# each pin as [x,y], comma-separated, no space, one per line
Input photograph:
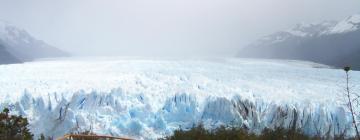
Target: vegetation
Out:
[223,133]
[352,102]
[13,127]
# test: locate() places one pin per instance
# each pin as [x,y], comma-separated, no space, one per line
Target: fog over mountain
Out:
[163,27]
[17,45]
[330,42]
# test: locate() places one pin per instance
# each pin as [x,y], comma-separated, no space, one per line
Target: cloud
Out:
[164,27]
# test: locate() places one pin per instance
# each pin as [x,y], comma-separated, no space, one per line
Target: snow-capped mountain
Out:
[350,24]
[330,42]
[150,98]
[17,45]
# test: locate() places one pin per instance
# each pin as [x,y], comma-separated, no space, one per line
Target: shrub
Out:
[14,127]
[223,133]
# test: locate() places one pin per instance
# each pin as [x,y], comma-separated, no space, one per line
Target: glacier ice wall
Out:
[115,113]
[148,99]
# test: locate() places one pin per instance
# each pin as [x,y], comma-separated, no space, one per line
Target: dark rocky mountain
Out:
[17,45]
[332,43]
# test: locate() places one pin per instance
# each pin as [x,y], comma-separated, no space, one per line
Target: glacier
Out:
[144,98]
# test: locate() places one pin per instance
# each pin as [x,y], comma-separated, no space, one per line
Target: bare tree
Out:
[350,101]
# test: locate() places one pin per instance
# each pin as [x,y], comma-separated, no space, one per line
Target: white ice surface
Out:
[149,98]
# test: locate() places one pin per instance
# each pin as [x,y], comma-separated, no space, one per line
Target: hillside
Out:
[17,45]
[6,57]
[332,43]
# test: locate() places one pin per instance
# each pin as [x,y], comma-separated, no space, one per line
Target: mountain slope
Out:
[18,45]
[150,98]
[6,57]
[331,43]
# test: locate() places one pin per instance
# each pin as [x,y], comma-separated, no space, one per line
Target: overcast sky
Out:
[164,27]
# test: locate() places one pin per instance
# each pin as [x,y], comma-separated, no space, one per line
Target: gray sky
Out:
[164,27]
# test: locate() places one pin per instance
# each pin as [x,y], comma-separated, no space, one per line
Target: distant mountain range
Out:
[17,46]
[335,43]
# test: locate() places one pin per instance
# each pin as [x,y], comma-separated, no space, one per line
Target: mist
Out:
[164,27]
